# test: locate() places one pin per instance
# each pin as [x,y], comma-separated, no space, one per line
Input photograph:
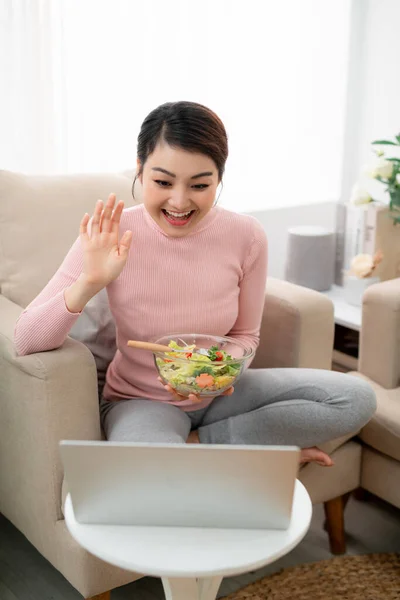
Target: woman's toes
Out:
[314,454]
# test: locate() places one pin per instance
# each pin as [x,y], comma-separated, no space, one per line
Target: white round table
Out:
[191,561]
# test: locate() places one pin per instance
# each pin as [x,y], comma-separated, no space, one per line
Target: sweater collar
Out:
[204,223]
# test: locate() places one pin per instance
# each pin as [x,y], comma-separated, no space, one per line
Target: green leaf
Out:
[212,353]
[386,143]
[379,178]
[398,138]
[393,159]
[395,219]
[201,370]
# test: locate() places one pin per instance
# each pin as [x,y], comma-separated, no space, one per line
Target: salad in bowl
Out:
[199,364]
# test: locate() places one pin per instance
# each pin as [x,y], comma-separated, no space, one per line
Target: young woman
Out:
[178,262]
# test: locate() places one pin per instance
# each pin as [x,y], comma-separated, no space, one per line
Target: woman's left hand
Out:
[193,397]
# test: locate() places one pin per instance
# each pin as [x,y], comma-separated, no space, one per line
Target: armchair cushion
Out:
[95,328]
[383,430]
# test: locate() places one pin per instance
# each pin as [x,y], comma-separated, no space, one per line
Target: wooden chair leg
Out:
[103,596]
[334,513]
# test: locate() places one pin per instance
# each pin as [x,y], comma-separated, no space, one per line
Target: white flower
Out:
[359,195]
[383,168]
[366,170]
[362,265]
[398,178]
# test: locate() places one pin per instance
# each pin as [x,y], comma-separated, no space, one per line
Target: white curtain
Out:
[33,105]
[79,76]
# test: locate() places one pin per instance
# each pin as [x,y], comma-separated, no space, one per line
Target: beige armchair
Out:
[379,364]
[50,396]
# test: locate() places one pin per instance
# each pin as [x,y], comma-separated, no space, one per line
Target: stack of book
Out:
[365,229]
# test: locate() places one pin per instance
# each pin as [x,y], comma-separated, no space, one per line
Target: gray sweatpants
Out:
[304,407]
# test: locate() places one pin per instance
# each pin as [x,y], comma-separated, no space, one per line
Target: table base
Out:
[191,588]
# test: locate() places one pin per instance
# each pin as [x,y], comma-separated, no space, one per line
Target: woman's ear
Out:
[139,170]
[221,183]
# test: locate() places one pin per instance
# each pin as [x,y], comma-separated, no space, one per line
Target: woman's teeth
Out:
[178,215]
[177,219]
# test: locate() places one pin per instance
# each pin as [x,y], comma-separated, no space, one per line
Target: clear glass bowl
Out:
[201,377]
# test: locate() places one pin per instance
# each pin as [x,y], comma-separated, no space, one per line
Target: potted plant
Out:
[387,171]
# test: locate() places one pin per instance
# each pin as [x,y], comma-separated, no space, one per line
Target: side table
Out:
[191,561]
[346,316]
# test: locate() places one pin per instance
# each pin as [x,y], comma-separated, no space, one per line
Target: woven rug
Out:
[366,577]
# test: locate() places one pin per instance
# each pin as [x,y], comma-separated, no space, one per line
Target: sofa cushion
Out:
[33,237]
[383,430]
[95,328]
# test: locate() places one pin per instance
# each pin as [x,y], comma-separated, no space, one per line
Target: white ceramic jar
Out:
[354,288]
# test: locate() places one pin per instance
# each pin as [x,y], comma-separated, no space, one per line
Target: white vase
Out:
[354,288]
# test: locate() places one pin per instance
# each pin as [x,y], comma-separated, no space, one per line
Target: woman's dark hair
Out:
[187,125]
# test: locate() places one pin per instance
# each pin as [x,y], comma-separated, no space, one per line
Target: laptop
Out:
[187,485]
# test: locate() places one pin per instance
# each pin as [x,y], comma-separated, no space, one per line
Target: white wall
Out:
[374,87]
[277,221]
[373,102]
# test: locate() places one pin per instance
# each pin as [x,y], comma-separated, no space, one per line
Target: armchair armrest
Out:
[380,334]
[297,328]
[45,397]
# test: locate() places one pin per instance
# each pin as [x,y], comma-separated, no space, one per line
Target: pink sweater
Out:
[210,281]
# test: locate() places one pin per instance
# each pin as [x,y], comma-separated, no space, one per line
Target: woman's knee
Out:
[149,436]
[362,399]
[140,420]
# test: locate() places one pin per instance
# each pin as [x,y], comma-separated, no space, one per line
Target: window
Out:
[275,72]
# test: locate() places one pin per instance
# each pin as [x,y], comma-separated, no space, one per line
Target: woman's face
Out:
[178,188]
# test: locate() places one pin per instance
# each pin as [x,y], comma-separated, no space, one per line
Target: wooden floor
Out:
[372,526]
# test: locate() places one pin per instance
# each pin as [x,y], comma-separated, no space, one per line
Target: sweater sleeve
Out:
[46,321]
[252,291]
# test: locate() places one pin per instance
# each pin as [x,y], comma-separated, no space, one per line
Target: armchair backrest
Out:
[39,221]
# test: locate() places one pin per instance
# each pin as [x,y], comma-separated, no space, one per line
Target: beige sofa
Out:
[53,395]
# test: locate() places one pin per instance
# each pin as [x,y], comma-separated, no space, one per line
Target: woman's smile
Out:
[178,219]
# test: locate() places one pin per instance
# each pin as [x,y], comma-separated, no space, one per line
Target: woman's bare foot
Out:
[193,437]
[314,454]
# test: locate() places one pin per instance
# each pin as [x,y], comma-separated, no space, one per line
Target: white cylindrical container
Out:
[354,288]
[310,258]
